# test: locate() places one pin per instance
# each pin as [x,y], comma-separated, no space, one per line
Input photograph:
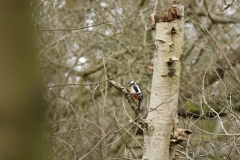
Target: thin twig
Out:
[38,6]
[93,25]
[124,139]
[123,127]
[235,74]
[92,84]
[127,95]
[113,132]
[227,6]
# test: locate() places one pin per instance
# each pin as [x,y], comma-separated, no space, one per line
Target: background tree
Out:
[21,110]
[84,43]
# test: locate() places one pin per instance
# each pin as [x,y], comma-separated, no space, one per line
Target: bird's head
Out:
[131,83]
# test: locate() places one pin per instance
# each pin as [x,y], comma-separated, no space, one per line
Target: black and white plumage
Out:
[136,91]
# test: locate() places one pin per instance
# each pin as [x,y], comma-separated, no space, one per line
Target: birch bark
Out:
[162,118]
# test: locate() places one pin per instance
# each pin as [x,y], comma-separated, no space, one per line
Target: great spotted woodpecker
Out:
[136,91]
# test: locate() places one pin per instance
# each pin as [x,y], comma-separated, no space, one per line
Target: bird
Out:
[136,91]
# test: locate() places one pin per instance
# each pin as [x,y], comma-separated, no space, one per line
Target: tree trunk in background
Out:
[20,99]
[162,119]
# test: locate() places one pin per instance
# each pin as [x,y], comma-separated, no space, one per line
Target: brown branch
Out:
[127,95]
[121,135]
[220,19]
[234,73]
[227,6]
[93,25]
[38,6]
[131,101]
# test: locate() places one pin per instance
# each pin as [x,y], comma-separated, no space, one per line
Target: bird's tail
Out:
[139,105]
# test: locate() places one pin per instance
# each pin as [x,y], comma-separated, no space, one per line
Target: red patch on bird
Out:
[136,96]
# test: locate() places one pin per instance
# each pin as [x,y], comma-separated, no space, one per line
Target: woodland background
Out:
[82,43]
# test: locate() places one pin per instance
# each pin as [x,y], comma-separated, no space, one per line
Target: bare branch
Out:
[234,72]
[93,25]
[127,95]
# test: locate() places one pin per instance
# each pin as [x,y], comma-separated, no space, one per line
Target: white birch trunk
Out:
[162,119]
